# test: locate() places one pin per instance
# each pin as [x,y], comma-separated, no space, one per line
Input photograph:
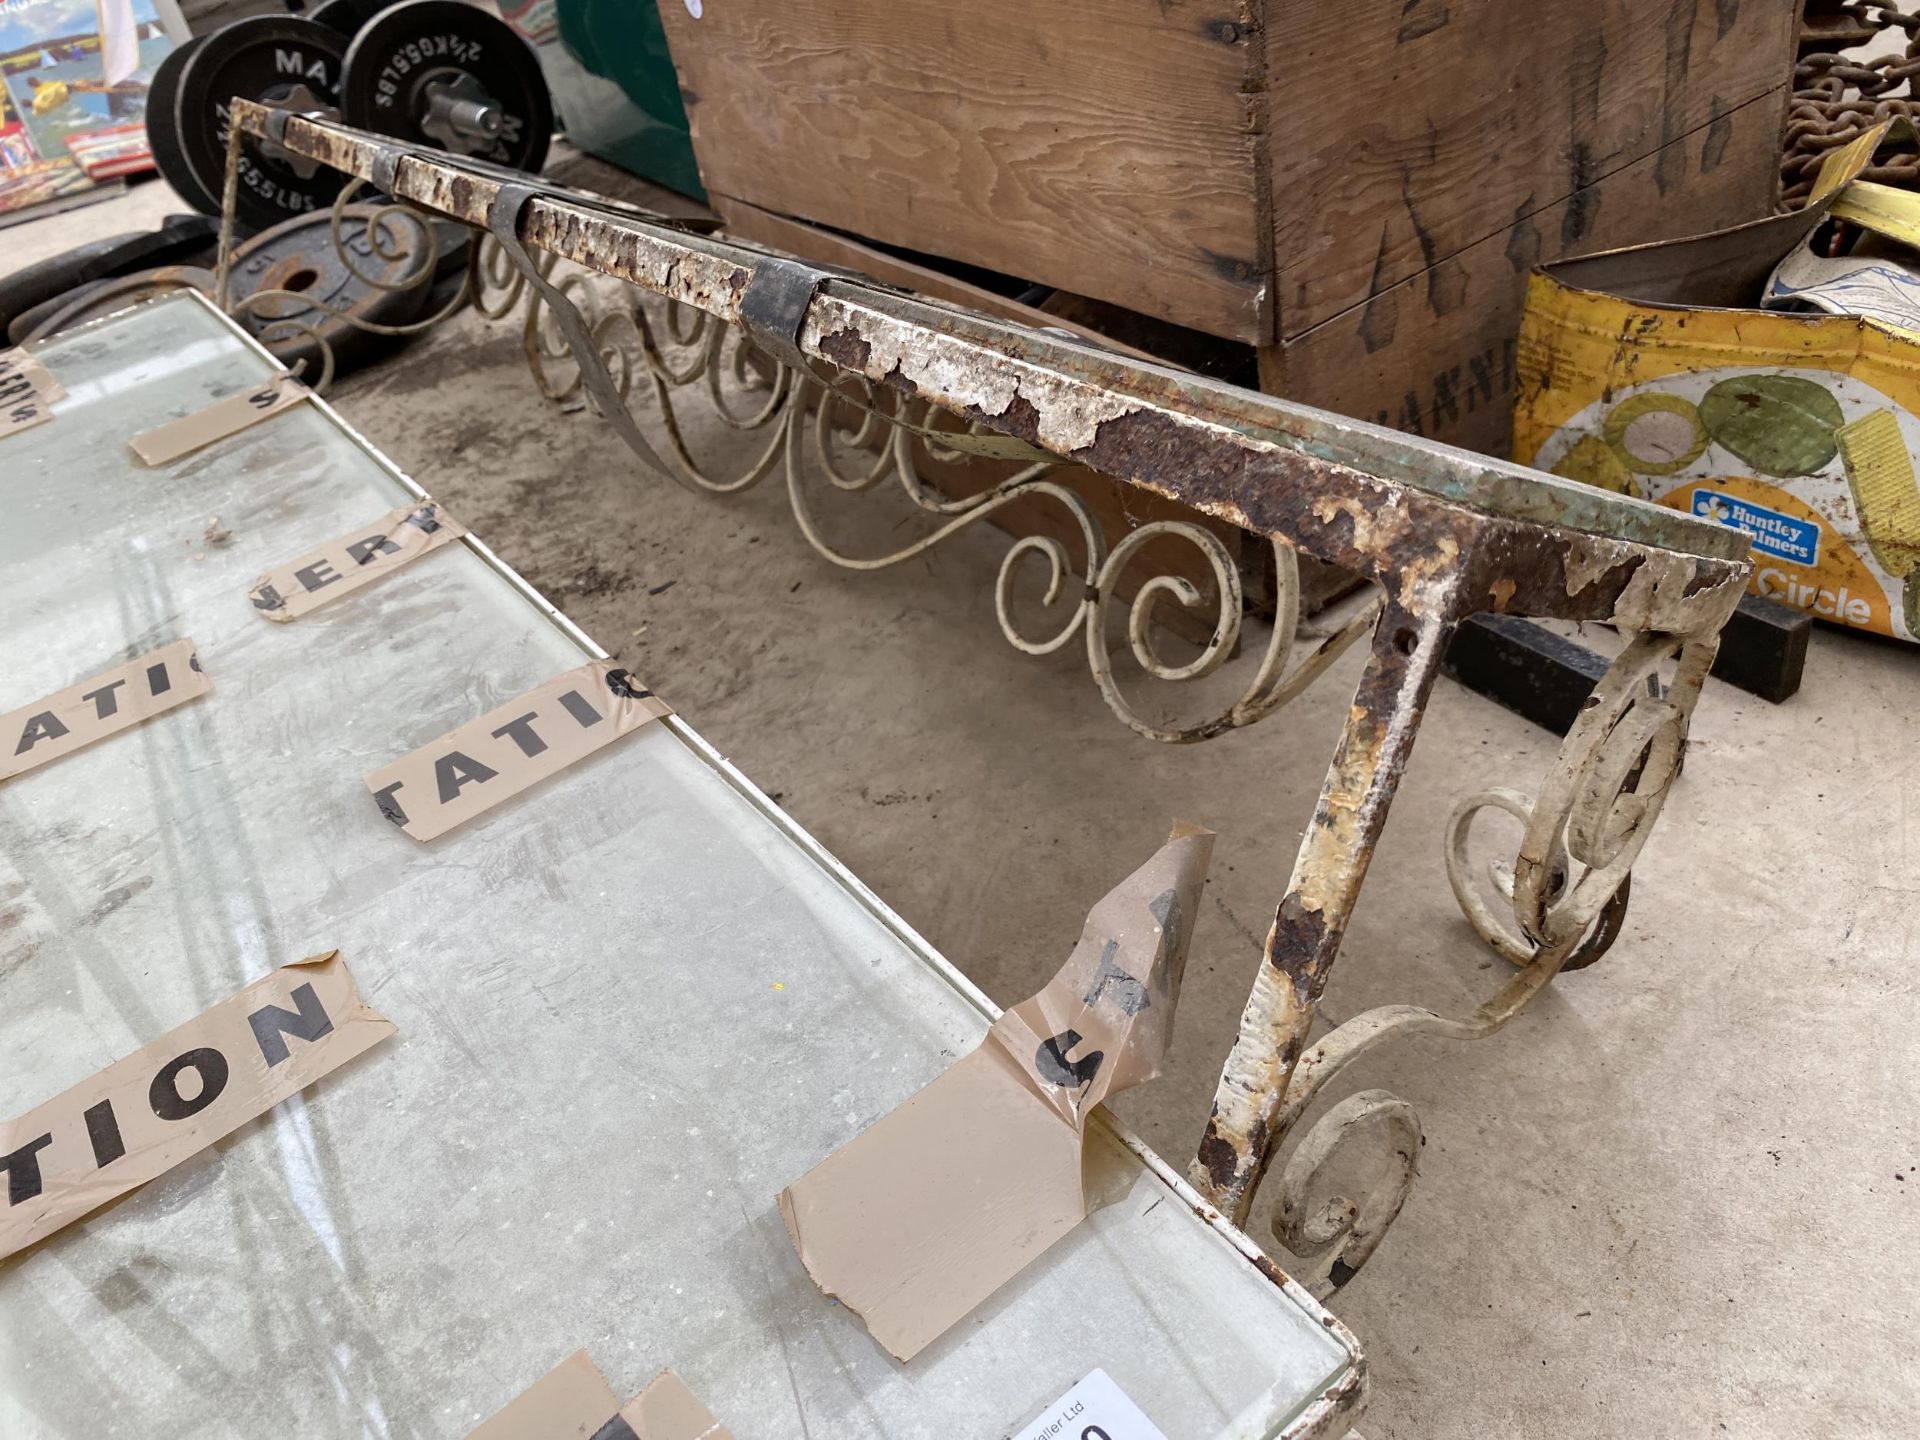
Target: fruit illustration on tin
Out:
[1592,462]
[1819,468]
[1655,433]
[1780,425]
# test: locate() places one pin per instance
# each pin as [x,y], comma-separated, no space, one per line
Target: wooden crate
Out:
[1355,187]
[1068,144]
[1432,352]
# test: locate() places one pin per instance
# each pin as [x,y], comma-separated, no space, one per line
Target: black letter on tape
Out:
[1052,1063]
[361,551]
[23,1170]
[271,1024]
[389,806]
[576,705]
[105,702]
[103,1129]
[454,769]
[522,734]
[164,1094]
[44,726]
[316,575]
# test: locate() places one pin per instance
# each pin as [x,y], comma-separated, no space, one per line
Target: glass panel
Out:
[631,1007]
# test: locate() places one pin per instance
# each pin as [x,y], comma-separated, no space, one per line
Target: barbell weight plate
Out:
[163,129]
[263,58]
[106,297]
[181,239]
[407,54]
[298,255]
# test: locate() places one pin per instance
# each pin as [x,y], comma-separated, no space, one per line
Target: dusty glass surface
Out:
[631,1005]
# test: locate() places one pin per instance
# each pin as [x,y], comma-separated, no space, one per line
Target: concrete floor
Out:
[1676,1198]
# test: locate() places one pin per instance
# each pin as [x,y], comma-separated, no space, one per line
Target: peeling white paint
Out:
[1590,556]
[956,374]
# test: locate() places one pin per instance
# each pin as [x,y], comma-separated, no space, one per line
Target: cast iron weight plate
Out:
[404,56]
[298,256]
[163,129]
[104,297]
[347,16]
[263,57]
[181,240]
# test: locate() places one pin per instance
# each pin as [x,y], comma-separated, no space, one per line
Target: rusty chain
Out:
[1837,97]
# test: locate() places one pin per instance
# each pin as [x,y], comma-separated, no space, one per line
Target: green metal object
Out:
[638,121]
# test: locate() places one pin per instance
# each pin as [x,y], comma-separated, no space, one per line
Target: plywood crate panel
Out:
[1253,170]
[1432,353]
[1074,144]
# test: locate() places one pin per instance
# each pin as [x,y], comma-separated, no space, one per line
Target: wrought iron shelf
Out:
[830,361]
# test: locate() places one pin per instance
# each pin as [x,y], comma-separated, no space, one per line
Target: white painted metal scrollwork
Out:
[1336,1234]
[1568,891]
[389,231]
[829,431]
[1594,811]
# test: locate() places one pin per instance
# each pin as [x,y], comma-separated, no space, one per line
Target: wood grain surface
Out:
[1433,354]
[1107,147]
[1406,131]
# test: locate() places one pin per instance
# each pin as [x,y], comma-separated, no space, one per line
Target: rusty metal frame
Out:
[1439,533]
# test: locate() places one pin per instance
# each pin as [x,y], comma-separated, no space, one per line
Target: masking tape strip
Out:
[927,1212]
[573,1401]
[169,442]
[142,1115]
[472,769]
[342,566]
[27,392]
[1885,493]
[105,705]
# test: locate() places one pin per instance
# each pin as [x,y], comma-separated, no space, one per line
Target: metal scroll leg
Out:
[1241,1137]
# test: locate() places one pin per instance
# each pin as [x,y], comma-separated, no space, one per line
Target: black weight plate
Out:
[183,238]
[22,325]
[454,240]
[401,52]
[298,256]
[347,16]
[262,57]
[57,274]
[163,129]
[105,297]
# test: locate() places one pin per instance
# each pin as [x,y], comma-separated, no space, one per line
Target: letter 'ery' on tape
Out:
[27,392]
[105,705]
[573,1401]
[359,558]
[141,1116]
[470,770]
[169,442]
